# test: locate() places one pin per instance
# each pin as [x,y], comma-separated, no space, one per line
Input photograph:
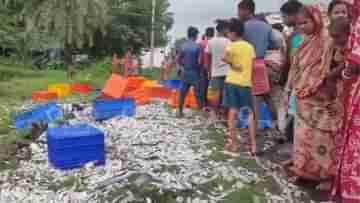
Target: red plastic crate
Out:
[44,96]
[160,92]
[81,88]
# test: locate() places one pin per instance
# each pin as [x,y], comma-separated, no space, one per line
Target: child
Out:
[218,69]
[240,55]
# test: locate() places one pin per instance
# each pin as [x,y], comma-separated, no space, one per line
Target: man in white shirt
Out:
[218,69]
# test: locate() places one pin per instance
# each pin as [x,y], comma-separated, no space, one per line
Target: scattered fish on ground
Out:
[153,149]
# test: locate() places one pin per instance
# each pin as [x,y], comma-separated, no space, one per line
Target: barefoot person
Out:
[209,34]
[190,58]
[240,55]
[318,107]
[218,69]
[260,35]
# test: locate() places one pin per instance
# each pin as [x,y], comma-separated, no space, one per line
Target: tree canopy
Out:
[102,26]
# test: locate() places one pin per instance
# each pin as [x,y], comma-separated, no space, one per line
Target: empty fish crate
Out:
[107,109]
[172,84]
[46,113]
[72,147]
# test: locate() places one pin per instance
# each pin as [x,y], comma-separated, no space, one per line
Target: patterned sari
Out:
[318,112]
[347,182]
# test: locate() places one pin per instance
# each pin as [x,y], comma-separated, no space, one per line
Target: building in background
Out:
[159,54]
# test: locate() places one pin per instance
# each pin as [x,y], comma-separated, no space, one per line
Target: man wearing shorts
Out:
[190,58]
[260,35]
[218,69]
[240,55]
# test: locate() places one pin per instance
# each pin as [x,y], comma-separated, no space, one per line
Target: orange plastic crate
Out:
[174,99]
[135,82]
[81,88]
[142,101]
[44,96]
[115,86]
[190,100]
[150,83]
[141,96]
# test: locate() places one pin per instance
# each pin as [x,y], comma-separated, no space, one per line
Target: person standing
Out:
[289,11]
[190,58]
[262,41]
[313,79]
[338,9]
[240,55]
[209,34]
[218,69]
[127,63]
[347,182]
[274,60]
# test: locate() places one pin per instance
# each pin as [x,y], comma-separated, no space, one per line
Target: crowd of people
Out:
[309,76]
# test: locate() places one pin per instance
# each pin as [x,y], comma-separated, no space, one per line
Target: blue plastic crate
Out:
[72,147]
[47,113]
[264,120]
[107,109]
[172,84]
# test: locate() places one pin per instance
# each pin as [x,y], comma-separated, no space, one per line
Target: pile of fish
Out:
[153,151]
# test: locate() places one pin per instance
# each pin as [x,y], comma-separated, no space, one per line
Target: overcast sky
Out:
[202,13]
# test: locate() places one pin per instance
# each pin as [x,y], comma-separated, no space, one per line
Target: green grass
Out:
[16,86]
[18,83]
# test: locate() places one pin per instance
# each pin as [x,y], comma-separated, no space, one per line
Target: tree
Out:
[131,24]
[83,23]
[74,21]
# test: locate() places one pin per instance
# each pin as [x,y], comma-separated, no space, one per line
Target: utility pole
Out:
[152,43]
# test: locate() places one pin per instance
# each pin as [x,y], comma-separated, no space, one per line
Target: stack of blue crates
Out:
[171,84]
[47,113]
[107,109]
[264,120]
[72,147]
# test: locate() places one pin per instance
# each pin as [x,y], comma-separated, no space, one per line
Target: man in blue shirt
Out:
[190,59]
[260,35]
[257,32]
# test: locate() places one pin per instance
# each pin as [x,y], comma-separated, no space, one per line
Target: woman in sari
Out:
[347,182]
[318,108]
